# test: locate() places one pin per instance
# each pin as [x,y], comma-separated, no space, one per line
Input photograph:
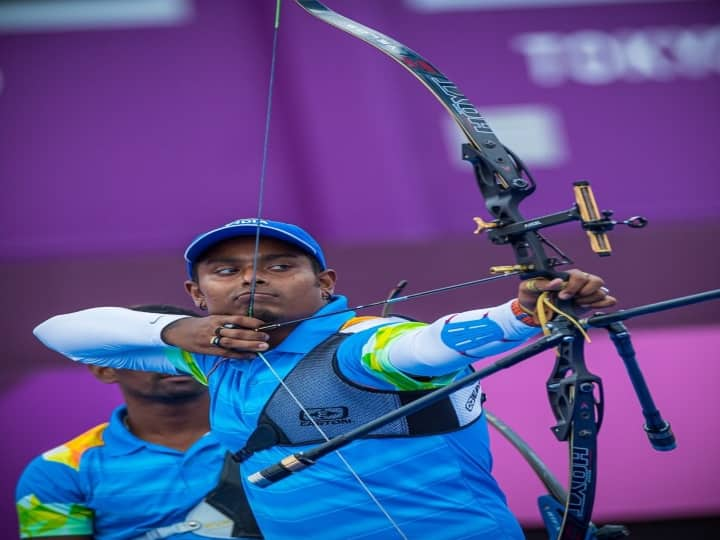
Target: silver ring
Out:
[230,326]
[605,290]
[215,341]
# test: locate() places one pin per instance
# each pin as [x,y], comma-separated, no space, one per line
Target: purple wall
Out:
[134,140]
[117,146]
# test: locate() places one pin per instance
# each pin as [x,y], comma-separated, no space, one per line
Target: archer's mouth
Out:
[257,294]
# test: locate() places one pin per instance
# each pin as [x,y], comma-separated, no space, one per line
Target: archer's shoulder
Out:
[71,452]
[360,324]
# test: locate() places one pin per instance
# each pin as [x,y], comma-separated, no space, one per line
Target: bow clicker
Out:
[575,394]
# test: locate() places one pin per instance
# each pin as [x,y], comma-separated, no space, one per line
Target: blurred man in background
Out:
[136,476]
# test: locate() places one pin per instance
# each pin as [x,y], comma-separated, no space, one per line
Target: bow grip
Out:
[531,273]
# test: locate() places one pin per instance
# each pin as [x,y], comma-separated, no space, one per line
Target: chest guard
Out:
[338,405]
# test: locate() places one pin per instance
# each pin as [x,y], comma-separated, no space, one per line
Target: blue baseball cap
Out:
[291,234]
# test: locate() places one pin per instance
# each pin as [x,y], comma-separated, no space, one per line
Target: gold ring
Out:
[531,285]
[215,341]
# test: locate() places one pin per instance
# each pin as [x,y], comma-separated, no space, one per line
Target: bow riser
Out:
[502,199]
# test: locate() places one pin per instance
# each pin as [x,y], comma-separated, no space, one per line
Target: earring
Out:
[326,296]
[203,305]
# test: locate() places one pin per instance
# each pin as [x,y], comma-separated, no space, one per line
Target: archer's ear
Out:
[105,374]
[327,279]
[198,298]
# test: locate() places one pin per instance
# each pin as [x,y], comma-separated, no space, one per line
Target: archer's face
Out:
[287,285]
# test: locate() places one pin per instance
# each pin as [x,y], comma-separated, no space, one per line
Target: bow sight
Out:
[502,199]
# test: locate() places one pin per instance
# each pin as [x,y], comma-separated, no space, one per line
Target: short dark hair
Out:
[164,308]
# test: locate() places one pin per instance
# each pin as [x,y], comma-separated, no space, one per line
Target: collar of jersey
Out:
[119,441]
[308,334]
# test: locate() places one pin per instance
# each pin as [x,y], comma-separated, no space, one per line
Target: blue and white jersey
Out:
[437,487]
[111,485]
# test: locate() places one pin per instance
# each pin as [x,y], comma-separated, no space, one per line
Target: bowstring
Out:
[263,165]
[253,283]
[336,452]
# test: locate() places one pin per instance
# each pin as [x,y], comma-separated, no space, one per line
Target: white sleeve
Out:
[454,341]
[111,336]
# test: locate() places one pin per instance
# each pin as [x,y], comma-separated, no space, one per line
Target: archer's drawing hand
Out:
[587,291]
[232,336]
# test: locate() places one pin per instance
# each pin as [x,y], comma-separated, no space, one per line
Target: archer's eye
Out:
[225,271]
[280,267]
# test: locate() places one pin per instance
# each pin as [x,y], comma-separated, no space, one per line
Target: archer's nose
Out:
[249,274]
